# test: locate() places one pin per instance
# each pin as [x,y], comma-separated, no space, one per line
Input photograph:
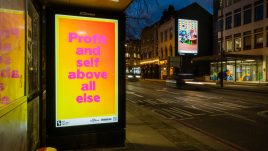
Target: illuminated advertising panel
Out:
[187,36]
[86,70]
[12,55]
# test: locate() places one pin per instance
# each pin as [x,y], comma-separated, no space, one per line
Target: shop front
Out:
[149,68]
[242,69]
[163,69]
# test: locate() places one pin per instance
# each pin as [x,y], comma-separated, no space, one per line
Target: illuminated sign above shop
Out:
[187,36]
[86,70]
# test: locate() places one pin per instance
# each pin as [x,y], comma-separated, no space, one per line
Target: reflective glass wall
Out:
[241,70]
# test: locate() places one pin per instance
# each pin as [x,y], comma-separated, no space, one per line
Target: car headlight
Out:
[138,76]
[130,76]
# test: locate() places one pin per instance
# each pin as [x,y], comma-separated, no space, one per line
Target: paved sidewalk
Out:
[146,132]
[142,137]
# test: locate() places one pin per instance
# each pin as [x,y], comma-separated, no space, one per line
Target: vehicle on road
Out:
[179,80]
[133,77]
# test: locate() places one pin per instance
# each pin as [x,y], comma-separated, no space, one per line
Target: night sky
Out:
[153,12]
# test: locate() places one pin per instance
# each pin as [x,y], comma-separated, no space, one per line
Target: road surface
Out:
[238,119]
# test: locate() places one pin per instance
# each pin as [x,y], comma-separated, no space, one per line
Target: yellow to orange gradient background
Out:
[11,20]
[67,90]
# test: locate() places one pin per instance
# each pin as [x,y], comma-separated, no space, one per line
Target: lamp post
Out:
[221,50]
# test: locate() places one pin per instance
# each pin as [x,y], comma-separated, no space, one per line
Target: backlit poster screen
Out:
[187,36]
[86,70]
[12,55]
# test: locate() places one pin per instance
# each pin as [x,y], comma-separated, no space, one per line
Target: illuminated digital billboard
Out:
[86,57]
[187,36]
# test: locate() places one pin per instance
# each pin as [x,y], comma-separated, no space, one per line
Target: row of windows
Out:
[164,53]
[227,3]
[147,55]
[134,55]
[235,43]
[164,35]
[133,62]
[235,19]
[148,40]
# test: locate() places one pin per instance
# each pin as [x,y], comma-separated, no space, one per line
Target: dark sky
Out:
[152,12]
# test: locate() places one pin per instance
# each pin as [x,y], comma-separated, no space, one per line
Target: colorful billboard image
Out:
[86,70]
[187,36]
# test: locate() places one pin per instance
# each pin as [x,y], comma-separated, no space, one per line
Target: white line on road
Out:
[176,111]
[194,107]
[133,93]
[185,111]
[164,90]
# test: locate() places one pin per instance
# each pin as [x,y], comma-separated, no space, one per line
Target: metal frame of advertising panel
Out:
[85,77]
[186,38]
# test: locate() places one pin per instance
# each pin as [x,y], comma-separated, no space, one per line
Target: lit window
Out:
[127,55]
[229,45]
[237,43]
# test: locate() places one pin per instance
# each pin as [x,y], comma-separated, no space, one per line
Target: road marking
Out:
[186,111]
[235,105]
[262,113]
[164,114]
[177,112]
[188,98]
[226,106]
[194,107]
[133,93]
[165,90]
[165,100]
[241,117]
[132,101]
[152,102]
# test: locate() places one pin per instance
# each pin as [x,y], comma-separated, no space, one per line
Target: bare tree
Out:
[138,15]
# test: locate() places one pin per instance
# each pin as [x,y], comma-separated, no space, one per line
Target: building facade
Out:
[166,44]
[159,45]
[242,36]
[133,56]
[149,52]
[195,12]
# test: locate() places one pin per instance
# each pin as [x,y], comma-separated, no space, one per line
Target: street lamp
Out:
[221,50]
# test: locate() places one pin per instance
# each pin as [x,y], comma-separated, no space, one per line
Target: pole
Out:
[221,73]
